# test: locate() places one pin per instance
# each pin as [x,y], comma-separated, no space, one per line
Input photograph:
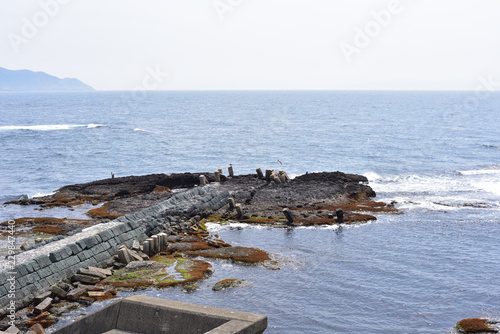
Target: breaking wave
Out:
[49,127]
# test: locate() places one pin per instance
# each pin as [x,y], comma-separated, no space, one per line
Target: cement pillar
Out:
[146,248]
[231,203]
[203,180]
[259,173]
[239,211]
[289,216]
[340,216]
[230,171]
[269,172]
[217,176]
[156,243]
[282,177]
[151,246]
[160,241]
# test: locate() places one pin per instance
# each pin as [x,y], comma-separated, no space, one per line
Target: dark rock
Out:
[227,284]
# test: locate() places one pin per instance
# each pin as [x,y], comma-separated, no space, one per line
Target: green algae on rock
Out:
[161,271]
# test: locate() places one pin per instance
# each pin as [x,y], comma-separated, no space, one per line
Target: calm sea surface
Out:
[436,153]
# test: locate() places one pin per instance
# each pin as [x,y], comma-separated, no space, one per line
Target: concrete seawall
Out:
[36,270]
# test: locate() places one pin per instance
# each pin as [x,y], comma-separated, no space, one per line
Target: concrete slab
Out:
[147,315]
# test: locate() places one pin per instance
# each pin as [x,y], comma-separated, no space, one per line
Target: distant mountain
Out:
[29,81]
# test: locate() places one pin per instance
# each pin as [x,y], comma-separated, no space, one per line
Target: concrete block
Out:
[72,260]
[43,306]
[75,249]
[82,256]
[82,244]
[91,272]
[22,282]
[90,241]
[106,235]
[55,256]
[45,272]
[66,252]
[21,269]
[86,279]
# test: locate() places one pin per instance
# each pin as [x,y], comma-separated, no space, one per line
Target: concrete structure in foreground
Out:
[147,315]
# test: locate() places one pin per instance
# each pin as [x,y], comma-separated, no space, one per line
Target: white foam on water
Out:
[41,195]
[49,127]
[93,126]
[442,192]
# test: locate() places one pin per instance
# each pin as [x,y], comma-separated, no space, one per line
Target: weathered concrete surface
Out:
[142,314]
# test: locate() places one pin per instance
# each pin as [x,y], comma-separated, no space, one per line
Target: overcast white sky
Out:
[255,44]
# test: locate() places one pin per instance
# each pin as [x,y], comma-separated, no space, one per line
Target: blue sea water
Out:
[436,153]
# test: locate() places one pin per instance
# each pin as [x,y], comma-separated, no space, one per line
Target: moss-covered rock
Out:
[160,271]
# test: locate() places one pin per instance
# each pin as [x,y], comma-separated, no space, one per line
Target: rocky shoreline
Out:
[272,199]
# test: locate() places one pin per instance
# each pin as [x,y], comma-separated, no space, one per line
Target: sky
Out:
[256,44]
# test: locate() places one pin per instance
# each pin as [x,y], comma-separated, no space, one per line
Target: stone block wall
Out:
[37,269]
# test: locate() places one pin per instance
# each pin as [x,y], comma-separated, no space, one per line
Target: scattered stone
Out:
[93,288]
[143,256]
[24,246]
[36,329]
[43,306]
[226,284]
[65,286]
[136,245]
[86,278]
[12,330]
[75,294]
[37,319]
[126,256]
[57,291]
[38,240]
[39,298]
[93,273]
[95,293]
[106,272]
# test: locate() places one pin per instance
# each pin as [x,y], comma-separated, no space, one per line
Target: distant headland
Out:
[29,81]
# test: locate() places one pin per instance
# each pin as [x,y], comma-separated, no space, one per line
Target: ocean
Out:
[437,154]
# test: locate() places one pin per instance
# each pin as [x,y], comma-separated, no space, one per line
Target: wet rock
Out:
[190,288]
[185,246]
[227,284]
[241,254]
[160,271]
[475,325]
